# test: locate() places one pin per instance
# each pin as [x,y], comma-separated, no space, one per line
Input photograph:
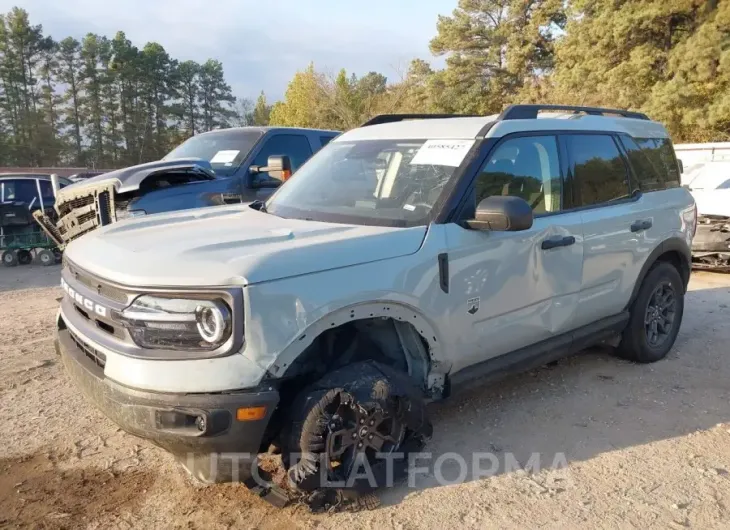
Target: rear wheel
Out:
[47,257]
[24,257]
[10,259]
[656,316]
[343,426]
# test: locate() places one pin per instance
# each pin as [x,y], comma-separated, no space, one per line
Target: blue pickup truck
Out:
[225,166]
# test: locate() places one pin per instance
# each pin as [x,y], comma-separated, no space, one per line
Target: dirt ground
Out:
[646,446]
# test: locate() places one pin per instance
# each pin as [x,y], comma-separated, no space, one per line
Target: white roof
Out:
[470,128]
[435,129]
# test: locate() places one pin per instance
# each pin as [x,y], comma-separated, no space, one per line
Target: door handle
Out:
[642,224]
[555,242]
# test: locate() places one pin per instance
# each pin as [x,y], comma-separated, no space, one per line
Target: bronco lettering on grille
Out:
[83,301]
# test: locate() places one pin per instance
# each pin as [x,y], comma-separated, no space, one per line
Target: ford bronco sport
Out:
[407,258]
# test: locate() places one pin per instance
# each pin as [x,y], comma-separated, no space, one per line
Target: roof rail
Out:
[391,118]
[529,112]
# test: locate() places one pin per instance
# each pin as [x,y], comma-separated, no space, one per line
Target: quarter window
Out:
[599,172]
[527,167]
[649,177]
[661,154]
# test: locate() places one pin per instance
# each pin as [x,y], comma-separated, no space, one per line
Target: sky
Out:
[261,44]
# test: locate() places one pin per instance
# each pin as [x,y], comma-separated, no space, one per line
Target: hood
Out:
[130,178]
[231,245]
[712,202]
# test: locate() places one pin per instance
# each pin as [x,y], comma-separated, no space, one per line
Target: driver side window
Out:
[527,167]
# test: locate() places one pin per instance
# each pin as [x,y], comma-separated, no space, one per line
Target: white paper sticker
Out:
[442,152]
[224,157]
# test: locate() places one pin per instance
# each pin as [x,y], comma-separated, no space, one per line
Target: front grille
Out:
[78,202]
[92,353]
[104,326]
[85,217]
[105,290]
[83,210]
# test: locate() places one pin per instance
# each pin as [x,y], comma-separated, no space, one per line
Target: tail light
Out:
[694,220]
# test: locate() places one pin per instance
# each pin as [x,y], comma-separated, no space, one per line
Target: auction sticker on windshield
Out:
[224,157]
[442,152]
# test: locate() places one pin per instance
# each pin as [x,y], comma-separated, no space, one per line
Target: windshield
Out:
[225,149]
[371,182]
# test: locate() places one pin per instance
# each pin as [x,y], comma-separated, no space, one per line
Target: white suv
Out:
[408,257]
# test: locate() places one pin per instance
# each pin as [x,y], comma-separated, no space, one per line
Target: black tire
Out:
[47,257]
[24,257]
[655,318]
[10,259]
[347,417]
[58,255]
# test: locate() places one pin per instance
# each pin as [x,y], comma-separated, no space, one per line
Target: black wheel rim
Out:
[660,315]
[355,432]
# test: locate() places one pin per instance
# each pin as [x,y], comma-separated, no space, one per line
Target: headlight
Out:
[178,323]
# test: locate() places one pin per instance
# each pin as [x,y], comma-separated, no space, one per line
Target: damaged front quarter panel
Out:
[96,202]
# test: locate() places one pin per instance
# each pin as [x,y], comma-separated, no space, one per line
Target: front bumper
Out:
[200,430]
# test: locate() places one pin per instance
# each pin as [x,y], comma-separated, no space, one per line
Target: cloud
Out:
[261,44]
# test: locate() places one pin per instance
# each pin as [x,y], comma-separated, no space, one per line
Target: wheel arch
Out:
[418,339]
[674,250]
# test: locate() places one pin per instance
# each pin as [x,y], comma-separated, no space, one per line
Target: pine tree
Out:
[188,88]
[215,96]
[493,48]
[261,111]
[70,68]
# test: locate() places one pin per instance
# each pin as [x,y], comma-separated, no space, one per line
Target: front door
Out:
[509,290]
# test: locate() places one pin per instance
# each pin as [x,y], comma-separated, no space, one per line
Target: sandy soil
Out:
[646,446]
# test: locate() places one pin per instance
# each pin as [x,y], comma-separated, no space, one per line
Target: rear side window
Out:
[599,172]
[295,146]
[660,153]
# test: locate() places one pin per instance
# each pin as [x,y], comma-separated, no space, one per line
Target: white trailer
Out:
[694,156]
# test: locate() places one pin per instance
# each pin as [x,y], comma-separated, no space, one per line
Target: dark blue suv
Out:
[225,166]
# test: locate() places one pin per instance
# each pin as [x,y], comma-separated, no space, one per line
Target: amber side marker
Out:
[251,413]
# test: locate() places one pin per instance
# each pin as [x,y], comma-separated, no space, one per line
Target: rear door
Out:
[616,221]
[510,290]
[295,146]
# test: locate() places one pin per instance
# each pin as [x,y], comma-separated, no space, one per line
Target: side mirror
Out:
[502,214]
[278,167]
[681,165]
